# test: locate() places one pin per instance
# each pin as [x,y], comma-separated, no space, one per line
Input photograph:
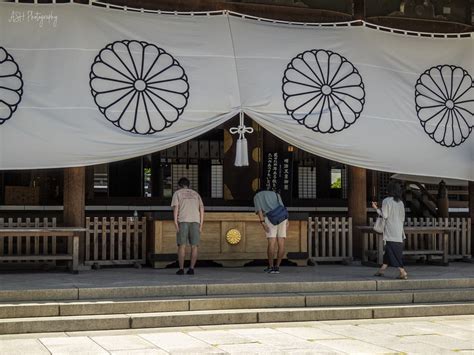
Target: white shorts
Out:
[276,231]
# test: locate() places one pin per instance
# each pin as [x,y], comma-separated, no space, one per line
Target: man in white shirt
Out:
[188,213]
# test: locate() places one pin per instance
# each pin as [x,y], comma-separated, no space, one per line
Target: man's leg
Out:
[194,239]
[181,253]
[194,255]
[281,250]
[181,239]
[281,236]
[271,251]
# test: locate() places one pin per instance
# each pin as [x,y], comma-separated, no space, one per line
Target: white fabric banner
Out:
[360,96]
[82,85]
[104,85]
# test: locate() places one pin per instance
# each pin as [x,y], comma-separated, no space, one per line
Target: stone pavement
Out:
[427,335]
[123,277]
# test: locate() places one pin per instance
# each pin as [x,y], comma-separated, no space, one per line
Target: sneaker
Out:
[268,269]
[275,270]
[180,272]
[190,272]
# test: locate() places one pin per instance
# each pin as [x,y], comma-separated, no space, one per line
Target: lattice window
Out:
[101,178]
[181,170]
[217,181]
[306,182]
[344,182]
[383,181]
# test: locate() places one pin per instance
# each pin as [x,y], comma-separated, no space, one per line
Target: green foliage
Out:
[337,184]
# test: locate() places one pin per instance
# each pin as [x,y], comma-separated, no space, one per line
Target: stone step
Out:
[84,293]
[239,301]
[227,316]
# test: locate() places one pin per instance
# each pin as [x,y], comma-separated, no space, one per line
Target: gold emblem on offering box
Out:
[233,236]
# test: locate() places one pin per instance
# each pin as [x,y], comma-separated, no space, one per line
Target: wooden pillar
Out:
[471,213]
[323,178]
[74,201]
[359,9]
[89,183]
[357,203]
[443,200]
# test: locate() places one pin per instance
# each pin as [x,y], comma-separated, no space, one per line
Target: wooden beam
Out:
[74,201]
[418,24]
[357,203]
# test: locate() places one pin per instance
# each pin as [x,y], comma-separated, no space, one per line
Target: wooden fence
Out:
[27,222]
[10,246]
[459,246]
[113,241]
[330,238]
[27,244]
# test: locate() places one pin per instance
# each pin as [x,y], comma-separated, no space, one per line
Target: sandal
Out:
[403,276]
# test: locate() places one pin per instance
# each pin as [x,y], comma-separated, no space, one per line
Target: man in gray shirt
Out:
[264,202]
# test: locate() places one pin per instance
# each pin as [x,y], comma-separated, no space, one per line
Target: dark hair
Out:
[395,190]
[183,182]
[266,188]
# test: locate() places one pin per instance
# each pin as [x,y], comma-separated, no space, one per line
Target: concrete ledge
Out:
[290,287]
[385,285]
[29,310]
[63,324]
[39,295]
[215,317]
[117,307]
[273,301]
[175,319]
[313,314]
[424,310]
[141,292]
[444,296]
[356,299]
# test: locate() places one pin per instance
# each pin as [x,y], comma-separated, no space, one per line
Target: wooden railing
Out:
[35,246]
[330,238]
[114,241]
[459,244]
[27,222]
[38,240]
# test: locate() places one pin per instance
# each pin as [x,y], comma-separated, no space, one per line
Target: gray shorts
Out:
[188,233]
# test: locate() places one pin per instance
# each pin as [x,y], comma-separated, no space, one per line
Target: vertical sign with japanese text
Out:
[277,173]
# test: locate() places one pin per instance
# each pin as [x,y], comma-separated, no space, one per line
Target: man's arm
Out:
[262,221]
[201,212]
[175,216]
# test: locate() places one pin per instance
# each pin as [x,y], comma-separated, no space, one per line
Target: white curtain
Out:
[367,115]
[82,85]
[62,119]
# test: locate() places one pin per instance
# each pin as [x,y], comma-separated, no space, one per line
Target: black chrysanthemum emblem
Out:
[11,85]
[323,91]
[138,86]
[444,98]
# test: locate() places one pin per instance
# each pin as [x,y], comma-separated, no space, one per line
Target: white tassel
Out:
[238,153]
[241,146]
[245,152]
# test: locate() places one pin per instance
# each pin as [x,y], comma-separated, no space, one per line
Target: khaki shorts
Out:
[188,233]
[276,231]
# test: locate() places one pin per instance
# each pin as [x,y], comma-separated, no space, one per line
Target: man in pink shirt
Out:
[188,212]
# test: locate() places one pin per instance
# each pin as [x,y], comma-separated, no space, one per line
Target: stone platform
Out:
[126,298]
